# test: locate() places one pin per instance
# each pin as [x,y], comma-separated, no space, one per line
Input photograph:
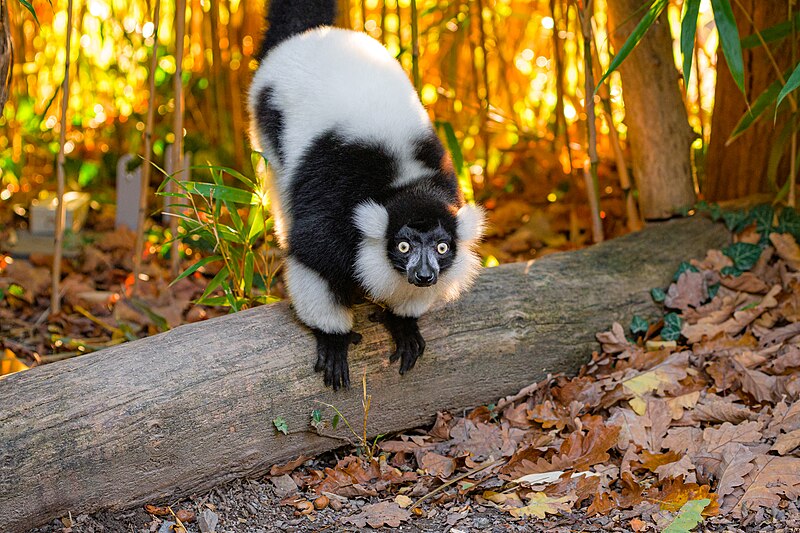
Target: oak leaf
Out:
[540,504]
[379,514]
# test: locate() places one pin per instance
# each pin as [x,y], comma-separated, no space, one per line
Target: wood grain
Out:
[182,411]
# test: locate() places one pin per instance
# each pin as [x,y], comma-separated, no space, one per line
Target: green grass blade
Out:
[764,100]
[249,260]
[791,84]
[647,21]
[688,30]
[729,40]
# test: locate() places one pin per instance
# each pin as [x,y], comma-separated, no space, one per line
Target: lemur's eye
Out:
[442,248]
[404,247]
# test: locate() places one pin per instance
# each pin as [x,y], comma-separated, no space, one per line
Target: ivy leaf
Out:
[743,254]
[658,295]
[763,215]
[712,291]
[789,222]
[684,267]
[688,517]
[281,425]
[672,327]
[639,326]
[316,416]
[730,271]
[736,221]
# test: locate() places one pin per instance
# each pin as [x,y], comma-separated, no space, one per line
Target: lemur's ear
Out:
[471,222]
[372,219]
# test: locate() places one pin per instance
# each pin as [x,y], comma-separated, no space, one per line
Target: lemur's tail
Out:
[290,17]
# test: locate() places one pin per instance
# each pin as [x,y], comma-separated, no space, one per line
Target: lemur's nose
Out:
[424,279]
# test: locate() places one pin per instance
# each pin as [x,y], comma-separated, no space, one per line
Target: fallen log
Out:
[182,411]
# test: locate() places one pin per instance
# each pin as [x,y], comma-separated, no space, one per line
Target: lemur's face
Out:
[422,255]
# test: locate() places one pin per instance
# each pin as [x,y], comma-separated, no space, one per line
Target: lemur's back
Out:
[342,80]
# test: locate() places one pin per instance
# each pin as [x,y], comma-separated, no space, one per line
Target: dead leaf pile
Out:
[674,420]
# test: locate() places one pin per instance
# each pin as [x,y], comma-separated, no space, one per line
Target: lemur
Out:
[365,198]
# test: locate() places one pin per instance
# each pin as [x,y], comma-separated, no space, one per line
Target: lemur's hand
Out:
[408,340]
[332,357]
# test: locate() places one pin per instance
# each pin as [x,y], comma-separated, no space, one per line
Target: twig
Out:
[456,479]
[414,45]
[55,292]
[138,249]
[177,126]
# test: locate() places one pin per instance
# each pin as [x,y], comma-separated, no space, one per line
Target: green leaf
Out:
[16,290]
[736,221]
[672,327]
[763,215]
[639,326]
[255,224]
[192,269]
[249,258]
[316,416]
[764,100]
[743,254]
[713,290]
[88,173]
[791,84]
[27,5]
[684,267]
[221,276]
[658,295]
[730,271]
[281,425]
[773,33]
[688,517]
[789,222]
[688,29]
[647,21]
[335,421]
[220,192]
[729,40]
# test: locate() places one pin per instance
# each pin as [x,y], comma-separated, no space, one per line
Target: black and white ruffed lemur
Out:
[364,195]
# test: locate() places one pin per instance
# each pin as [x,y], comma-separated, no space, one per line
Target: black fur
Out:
[409,344]
[272,121]
[290,17]
[332,357]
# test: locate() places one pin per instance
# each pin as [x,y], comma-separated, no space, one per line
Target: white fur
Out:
[371,219]
[330,78]
[313,301]
[385,285]
[471,221]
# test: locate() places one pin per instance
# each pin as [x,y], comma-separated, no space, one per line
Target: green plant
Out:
[233,223]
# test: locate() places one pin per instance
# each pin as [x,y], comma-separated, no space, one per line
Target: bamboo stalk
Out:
[414,45]
[6,54]
[55,289]
[632,219]
[792,200]
[148,150]
[561,121]
[364,15]
[177,126]
[383,22]
[590,170]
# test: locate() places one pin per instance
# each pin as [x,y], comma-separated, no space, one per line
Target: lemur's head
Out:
[421,238]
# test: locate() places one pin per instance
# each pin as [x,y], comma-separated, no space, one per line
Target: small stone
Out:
[480,522]
[252,509]
[284,485]
[360,503]
[336,505]
[321,502]
[166,527]
[207,521]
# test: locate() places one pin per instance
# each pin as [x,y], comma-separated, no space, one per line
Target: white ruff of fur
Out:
[340,80]
[385,285]
[313,301]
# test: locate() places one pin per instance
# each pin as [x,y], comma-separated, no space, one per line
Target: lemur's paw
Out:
[332,357]
[408,340]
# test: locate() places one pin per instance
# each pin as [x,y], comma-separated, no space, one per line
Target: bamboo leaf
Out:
[773,33]
[647,21]
[791,84]
[764,100]
[688,30]
[192,269]
[27,5]
[213,284]
[249,259]
[729,40]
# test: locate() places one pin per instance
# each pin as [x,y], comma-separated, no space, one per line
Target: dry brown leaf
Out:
[379,514]
[690,290]
[540,504]
[745,282]
[289,467]
[787,442]
[683,468]
[438,465]
[772,478]
[787,248]
[614,341]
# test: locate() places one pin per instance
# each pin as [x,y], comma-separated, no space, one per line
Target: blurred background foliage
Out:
[503,77]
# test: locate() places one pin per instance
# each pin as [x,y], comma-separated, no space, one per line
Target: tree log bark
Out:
[740,169]
[182,411]
[658,127]
[6,54]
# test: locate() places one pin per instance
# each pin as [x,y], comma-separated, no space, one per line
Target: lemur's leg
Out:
[407,338]
[332,323]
